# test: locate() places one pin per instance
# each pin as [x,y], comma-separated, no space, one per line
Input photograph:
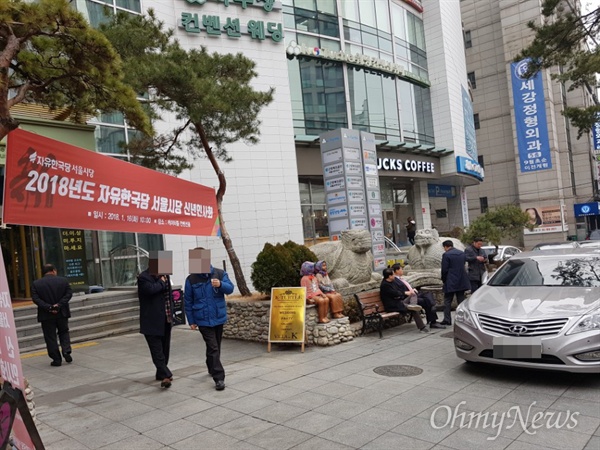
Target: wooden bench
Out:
[373,312]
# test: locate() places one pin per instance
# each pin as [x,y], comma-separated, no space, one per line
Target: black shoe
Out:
[437,325]
[68,357]
[166,383]
[56,363]
[445,323]
[219,385]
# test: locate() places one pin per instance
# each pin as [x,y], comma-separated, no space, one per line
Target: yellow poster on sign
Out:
[286,318]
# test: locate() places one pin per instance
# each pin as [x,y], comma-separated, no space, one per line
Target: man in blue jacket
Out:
[454,277]
[206,310]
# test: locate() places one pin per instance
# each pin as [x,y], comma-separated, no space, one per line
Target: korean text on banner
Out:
[596,136]
[530,117]
[10,359]
[52,184]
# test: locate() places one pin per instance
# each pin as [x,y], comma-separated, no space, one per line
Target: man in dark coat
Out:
[393,299]
[424,299]
[476,260]
[454,277]
[51,294]
[154,293]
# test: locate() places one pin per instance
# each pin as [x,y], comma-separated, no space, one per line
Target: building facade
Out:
[393,68]
[542,167]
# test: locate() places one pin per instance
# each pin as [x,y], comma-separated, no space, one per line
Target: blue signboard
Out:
[470,143]
[596,136]
[587,209]
[469,167]
[530,117]
[441,190]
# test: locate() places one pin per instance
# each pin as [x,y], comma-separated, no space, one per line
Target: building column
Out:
[421,205]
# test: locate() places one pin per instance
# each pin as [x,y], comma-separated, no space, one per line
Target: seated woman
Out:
[314,295]
[336,303]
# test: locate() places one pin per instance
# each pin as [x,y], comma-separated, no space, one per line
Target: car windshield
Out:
[580,271]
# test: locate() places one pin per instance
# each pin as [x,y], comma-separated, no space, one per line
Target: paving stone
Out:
[279,437]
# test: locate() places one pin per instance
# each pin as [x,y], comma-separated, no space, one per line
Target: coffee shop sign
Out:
[407,165]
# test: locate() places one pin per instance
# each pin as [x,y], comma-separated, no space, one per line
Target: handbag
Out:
[178,307]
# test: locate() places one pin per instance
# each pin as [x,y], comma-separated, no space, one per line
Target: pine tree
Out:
[50,55]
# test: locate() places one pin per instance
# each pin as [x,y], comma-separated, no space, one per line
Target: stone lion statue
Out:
[427,251]
[349,260]
[425,258]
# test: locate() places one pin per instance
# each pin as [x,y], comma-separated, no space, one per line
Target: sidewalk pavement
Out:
[326,398]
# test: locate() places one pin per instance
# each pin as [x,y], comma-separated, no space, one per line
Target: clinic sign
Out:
[596,136]
[350,174]
[468,166]
[587,209]
[215,25]
[530,118]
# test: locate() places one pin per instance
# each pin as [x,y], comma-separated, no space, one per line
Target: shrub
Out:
[279,266]
[299,254]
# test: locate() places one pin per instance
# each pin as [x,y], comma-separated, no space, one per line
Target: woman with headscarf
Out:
[314,295]
[336,303]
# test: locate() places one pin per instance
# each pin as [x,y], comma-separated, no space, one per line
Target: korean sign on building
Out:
[596,136]
[530,117]
[352,194]
[53,184]
[216,26]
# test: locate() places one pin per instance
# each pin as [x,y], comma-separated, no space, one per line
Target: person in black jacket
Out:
[476,260]
[51,294]
[156,314]
[393,298]
[454,277]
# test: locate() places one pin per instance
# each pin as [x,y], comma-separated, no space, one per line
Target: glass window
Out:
[327,7]
[367,13]
[407,111]
[314,212]
[305,4]
[399,21]
[133,5]
[472,80]
[468,43]
[483,204]
[352,34]
[481,161]
[350,11]
[94,13]
[319,104]
[110,140]
[369,39]
[383,16]
[358,99]
[476,121]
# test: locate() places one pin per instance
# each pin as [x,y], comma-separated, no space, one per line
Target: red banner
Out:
[52,184]
[10,360]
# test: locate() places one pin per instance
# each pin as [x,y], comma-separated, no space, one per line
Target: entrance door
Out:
[21,250]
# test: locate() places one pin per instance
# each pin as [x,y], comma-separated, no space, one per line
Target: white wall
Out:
[447,74]
[262,202]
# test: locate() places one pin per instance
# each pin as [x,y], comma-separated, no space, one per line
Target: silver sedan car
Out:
[539,310]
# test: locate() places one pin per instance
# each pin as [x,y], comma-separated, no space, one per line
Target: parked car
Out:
[504,251]
[590,244]
[556,245]
[539,310]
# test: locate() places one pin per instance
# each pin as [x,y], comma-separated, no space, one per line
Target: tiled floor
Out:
[326,398]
